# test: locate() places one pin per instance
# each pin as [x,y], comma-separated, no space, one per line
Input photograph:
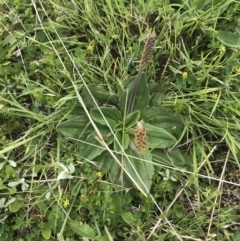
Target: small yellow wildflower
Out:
[124,25]
[208,208]
[115,36]
[130,48]
[90,48]
[222,48]
[202,97]
[99,174]
[214,96]
[66,203]
[238,70]
[174,128]
[207,192]
[184,74]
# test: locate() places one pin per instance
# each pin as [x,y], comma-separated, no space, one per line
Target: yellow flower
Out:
[130,48]
[202,97]
[208,208]
[214,96]
[174,128]
[238,70]
[124,25]
[90,48]
[207,192]
[222,48]
[66,203]
[184,74]
[115,36]
[99,174]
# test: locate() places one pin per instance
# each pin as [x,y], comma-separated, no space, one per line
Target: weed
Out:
[119,120]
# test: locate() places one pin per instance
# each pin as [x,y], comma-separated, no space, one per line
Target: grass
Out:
[76,160]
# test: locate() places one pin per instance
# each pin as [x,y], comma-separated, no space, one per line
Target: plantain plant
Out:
[134,126]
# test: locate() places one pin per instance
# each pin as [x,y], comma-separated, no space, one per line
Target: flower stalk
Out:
[145,58]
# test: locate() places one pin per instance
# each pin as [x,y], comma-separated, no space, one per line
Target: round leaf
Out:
[46,233]
[15,206]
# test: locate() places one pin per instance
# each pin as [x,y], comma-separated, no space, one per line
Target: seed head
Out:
[147,52]
[140,137]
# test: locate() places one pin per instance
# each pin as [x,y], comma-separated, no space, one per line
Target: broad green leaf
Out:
[108,165]
[123,139]
[128,218]
[118,127]
[92,148]
[16,205]
[11,200]
[74,128]
[173,157]
[12,190]
[77,124]
[118,135]
[142,95]
[100,94]
[60,237]
[157,91]
[158,137]
[112,116]
[157,99]
[141,171]
[83,230]
[46,233]
[104,238]
[2,186]
[115,209]
[9,171]
[2,165]
[12,163]
[106,162]
[131,119]
[229,39]
[14,183]
[162,117]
